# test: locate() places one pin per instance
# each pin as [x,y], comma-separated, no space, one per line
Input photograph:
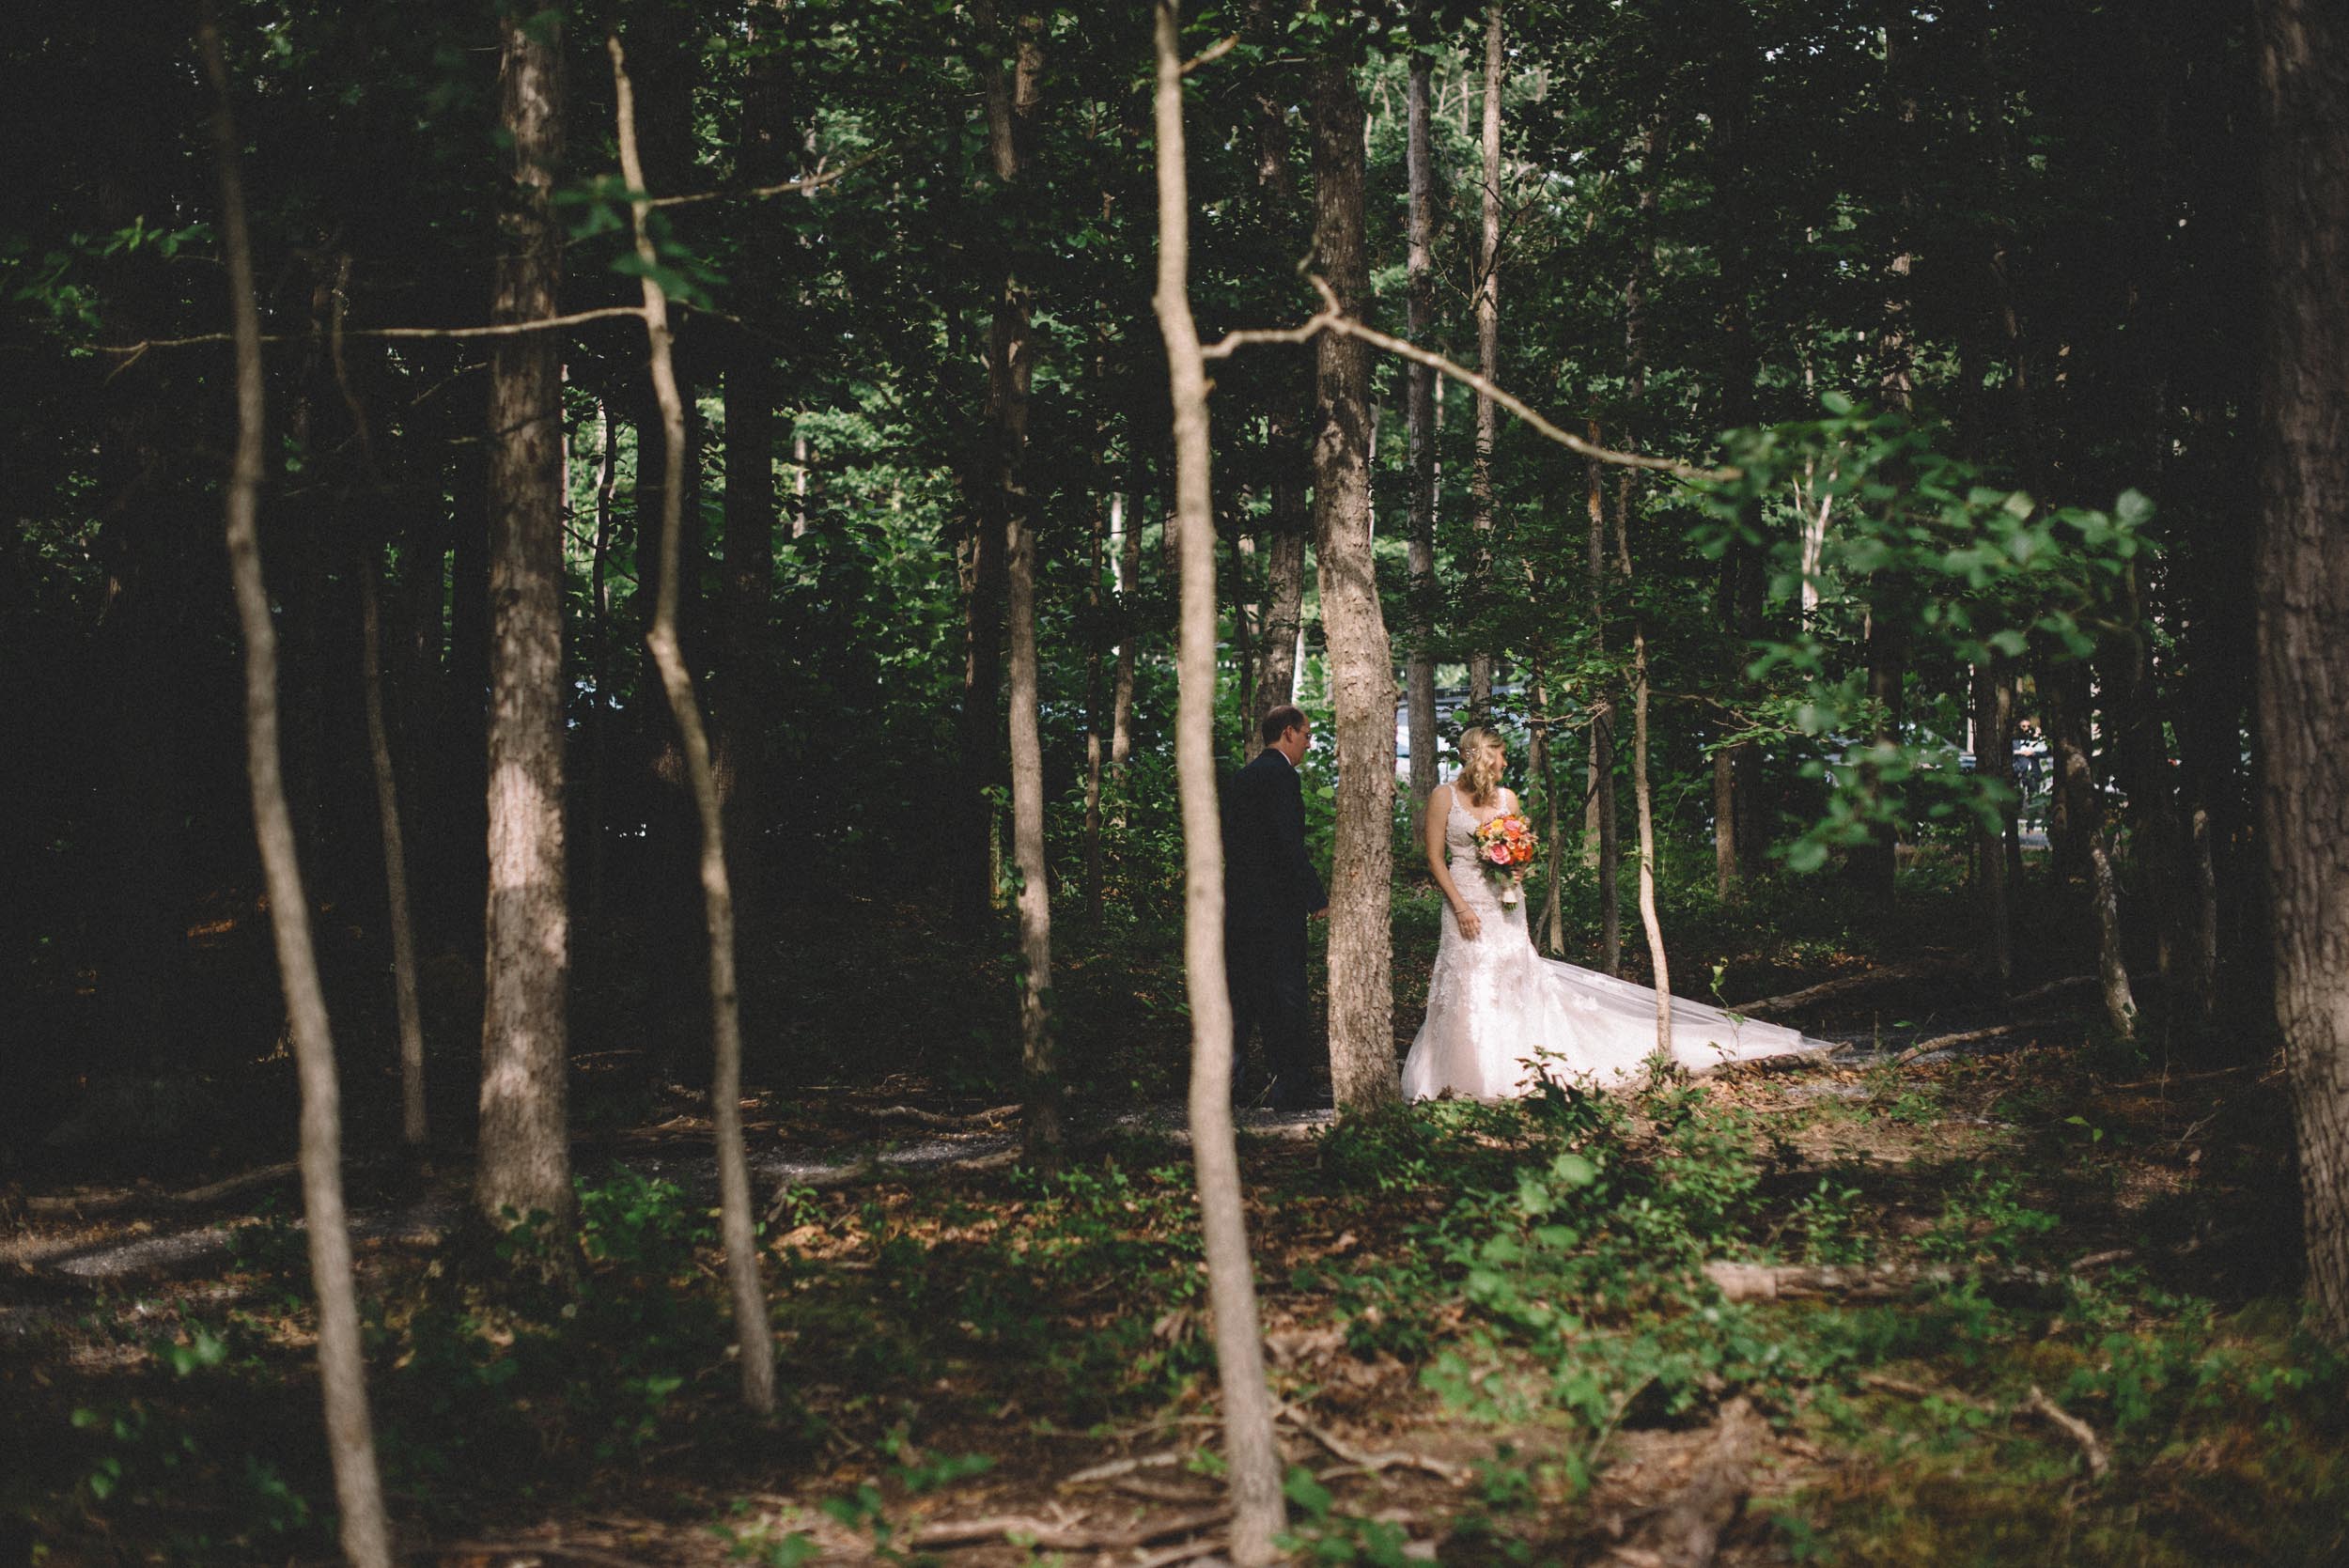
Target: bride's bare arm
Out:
[1438,812]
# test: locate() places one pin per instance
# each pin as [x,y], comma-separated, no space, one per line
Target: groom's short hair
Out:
[1282,720]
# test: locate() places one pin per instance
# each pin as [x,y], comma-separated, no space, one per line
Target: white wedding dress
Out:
[1500,1015]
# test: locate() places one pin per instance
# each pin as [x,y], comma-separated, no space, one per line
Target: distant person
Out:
[1270,890]
[1498,1014]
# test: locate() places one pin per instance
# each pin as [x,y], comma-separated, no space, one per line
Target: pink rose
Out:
[1498,854]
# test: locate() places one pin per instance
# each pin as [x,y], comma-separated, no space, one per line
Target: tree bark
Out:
[753,1337]
[1601,833]
[1481,660]
[1362,987]
[597,817]
[1125,526]
[2063,692]
[365,1531]
[524,1162]
[1994,759]
[404,1003]
[1253,1459]
[1418,426]
[1643,803]
[2303,577]
[1012,102]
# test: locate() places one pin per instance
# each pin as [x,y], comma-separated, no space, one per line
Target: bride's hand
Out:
[1471,924]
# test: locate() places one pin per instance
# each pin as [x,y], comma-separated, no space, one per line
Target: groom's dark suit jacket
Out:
[1269,885]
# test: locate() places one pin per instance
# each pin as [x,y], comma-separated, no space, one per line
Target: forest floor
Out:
[2023,1297]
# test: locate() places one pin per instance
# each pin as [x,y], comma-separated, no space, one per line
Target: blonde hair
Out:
[1480,762]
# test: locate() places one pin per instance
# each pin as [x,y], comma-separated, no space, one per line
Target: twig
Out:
[1124,1467]
[807,184]
[1213,53]
[1187,1552]
[2072,1427]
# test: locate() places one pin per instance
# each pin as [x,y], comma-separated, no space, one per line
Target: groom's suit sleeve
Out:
[1306,880]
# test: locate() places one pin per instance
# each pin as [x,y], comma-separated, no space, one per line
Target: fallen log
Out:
[946,1121]
[123,1198]
[1929,967]
[1755,1282]
[1066,1536]
[1685,1533]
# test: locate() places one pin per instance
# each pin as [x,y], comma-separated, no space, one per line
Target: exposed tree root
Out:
[2073,1427]
[1685,1533]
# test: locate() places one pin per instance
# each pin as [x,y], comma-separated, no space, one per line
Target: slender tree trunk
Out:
[365,1532]
[1012,100]
[1994,758]
[1362,987]
[1252,1458]
[2303,566]
[598,816]
[2064,691]
[1288,413]
[1094,696]
[524,1164]
[411,1015]
[1481,659]
[1602,834]
[1418,426]
[754,1338]
[1643,803]
[371,575]
[1543,763]
[1127,526]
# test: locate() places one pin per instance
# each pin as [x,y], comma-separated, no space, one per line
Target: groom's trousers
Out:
[1265,970]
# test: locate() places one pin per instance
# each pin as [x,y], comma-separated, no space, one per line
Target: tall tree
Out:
[1014,91]
[755,1342]
[1418,417]
[342,1369]
[1251,1457]
[2303,566]
[1489,361]
[1362,980]
[525,1165]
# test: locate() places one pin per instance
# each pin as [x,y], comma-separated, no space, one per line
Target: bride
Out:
[1498,1014]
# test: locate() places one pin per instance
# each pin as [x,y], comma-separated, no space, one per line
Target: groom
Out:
[1269,889]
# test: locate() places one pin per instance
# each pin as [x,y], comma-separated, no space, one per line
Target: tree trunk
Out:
[524,1164]
[2303,568]
[1994,759]
[1285,583]
[753,1336]
[597,817]
[411,1015]
[1601,831]
[1288,413]
[1012,100]
[1095,565]
[1481,659]
[2064,691]
[1362,987]
[1126,525]
[1252,1458]
[1418,426]
[1643,803]
[365,1532]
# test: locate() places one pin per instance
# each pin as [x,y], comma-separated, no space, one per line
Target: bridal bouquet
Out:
[1506,848]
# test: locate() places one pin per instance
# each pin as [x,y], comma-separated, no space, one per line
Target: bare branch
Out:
[807,184]
[1334,319]
[504,329]
[1213,53]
